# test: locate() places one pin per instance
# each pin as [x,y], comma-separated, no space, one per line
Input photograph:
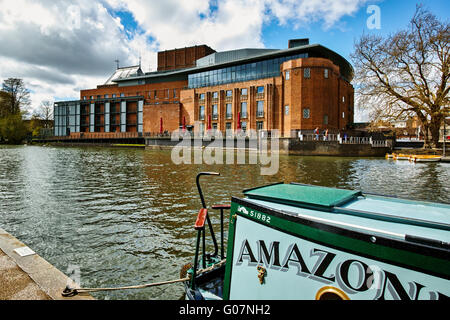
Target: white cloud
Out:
[306,11]
[60,47]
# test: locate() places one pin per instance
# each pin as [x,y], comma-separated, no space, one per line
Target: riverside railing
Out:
[345,140]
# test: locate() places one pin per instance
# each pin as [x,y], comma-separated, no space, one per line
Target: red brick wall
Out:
[146,90]
[182,58]
[170,113]
[323,96]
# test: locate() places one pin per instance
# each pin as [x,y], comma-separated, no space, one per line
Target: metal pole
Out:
[445,137]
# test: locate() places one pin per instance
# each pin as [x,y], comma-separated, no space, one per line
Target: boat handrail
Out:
[393,218]
[375,232]
[211,230]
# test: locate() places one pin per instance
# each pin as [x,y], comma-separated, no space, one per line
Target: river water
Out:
[114,217]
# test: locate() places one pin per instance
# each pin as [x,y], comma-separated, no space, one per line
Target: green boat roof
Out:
[391,214]
[303,195]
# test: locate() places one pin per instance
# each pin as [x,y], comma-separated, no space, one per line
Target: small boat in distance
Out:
[301,242]
[425,158]
[401,156]
[390,156]
[414,157]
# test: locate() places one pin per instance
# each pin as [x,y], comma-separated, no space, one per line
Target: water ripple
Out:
[126,216]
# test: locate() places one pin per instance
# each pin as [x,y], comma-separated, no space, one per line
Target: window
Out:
[307,73]
[306,113]
[84,98]
[260,90]
[259,125]
[229,93]
[343,99]
[215,114]
[214,126]
[215,95]
[288,75]
[244,109]
[174,93]
[228,126]
[244,92]
[122,94]
[343,115]
[92,97]
[325,73]
[325,119]
[229,112]
[244,126]
[114,95]
[106,96]
[202,113]
[202,96]
[286,110]
[260,109]
[168,93]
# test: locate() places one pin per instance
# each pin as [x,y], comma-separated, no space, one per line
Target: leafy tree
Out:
[12,129]
[4,100]
[35,125]
[407,73]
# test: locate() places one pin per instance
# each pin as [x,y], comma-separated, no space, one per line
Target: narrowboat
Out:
[301,242]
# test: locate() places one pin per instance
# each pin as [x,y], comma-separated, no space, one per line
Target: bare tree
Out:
[45,113]
[19,96]
[406,73]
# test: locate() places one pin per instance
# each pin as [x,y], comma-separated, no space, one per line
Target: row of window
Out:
[307,74]
[259,112]
[229,111]
[106,96]
[229,93]
[168,93]
[228,126]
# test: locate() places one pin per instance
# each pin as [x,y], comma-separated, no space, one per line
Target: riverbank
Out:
[27,276]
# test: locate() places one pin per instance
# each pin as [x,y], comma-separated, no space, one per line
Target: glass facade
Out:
[244,72]
[76,116]
[67,118]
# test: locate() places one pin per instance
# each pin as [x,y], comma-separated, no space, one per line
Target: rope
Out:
[70,292]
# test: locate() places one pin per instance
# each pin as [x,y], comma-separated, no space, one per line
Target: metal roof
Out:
[124,73]
[230,56]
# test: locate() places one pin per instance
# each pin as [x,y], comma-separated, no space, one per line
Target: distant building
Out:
[295,89]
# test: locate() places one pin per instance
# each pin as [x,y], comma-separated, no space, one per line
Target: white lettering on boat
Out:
[368,277]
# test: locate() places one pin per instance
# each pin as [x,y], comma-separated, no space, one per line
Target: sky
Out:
[60,47]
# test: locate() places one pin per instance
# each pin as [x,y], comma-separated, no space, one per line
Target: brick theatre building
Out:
[295,89]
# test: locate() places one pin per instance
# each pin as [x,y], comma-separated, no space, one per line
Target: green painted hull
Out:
[282,249]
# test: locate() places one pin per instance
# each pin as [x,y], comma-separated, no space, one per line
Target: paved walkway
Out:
[30,277]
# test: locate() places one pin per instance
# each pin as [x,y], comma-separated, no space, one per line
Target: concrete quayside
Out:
[24,275]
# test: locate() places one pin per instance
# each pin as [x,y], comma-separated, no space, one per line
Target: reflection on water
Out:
[125,216]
